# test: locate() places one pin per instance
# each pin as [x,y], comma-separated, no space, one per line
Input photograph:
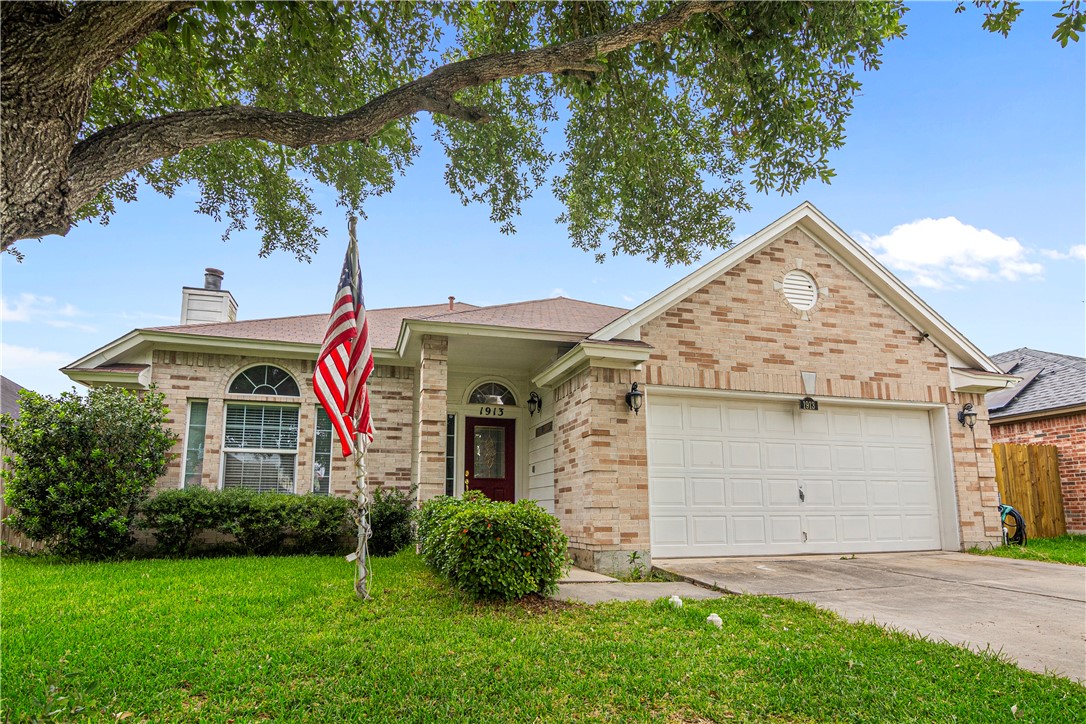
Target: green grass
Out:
[1069,549]
[245,639]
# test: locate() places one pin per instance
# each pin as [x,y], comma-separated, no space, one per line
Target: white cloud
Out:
[14,358]
[1075,252]
[945,253]
[33,308]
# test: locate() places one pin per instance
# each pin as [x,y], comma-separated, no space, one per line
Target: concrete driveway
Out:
[1034,613]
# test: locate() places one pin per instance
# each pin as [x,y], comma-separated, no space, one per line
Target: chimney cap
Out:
[213,278]
[452,301]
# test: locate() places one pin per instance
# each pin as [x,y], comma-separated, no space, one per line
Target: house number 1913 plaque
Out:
[808,403]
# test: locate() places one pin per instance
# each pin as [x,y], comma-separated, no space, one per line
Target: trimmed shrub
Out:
[491,549]
[390,521]
[319,523]
[178,516]
[82,465]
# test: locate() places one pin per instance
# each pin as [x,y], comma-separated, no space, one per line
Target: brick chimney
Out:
[211,303]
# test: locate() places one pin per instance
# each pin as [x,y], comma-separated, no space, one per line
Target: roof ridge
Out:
[1040,355]
[527,301]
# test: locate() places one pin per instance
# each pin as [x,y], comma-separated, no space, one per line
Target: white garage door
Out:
[741,477]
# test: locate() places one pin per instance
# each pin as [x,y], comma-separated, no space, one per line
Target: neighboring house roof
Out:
[9,396]
[1050,382]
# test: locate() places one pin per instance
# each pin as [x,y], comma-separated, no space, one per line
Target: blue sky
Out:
[964,171]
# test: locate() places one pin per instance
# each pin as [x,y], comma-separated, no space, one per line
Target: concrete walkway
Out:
[1035,613]
[588,587]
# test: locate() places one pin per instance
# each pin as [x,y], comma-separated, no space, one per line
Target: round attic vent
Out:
[800,289]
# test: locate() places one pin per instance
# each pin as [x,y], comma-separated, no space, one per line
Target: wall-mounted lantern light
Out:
[634,398]
[534,403]
[967,415]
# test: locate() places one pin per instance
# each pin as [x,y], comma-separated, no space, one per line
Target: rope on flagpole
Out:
[363,573]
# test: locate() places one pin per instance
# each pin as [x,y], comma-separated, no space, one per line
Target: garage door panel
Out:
[845,424]
[884,492]
[667,416]
[814,422]
[747,492]
[817,493]
[705,418]
[919,528]
[667,453]
[915,493]
[778,422]
[849,457]
[744,455]
[710,530]
[852,493]
[708,491]
[855,528]
[668,491]
[915,460]
[881,459]
[821,528]
[878,426]
[783,493]
[912,427]
[749,529]
[669,530]
[785,529]
[706,454]
[780,456]
[887,527]
[741,421]
[816,457]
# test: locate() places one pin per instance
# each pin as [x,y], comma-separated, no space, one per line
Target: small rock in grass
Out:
[675,602]
[715,620]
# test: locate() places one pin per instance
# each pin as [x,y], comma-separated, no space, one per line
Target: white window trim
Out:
[278,451]
[185,438]
[331,452]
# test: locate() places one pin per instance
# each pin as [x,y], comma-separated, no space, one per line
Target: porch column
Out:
[432,388]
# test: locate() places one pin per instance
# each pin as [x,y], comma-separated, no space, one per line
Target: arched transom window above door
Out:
[264,380]
[492,393]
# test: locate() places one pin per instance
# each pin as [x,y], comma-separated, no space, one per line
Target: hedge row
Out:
[270,523]
[490,549]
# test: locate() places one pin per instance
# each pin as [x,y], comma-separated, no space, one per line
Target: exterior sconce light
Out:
[534,403]
[634,398]
[967,415]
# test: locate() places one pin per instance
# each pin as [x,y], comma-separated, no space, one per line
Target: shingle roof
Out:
[9,396]
[558,314]
[1049,381]
[554,315]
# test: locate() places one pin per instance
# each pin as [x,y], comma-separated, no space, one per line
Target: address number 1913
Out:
[492,411]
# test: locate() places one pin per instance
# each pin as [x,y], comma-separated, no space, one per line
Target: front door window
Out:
[490,457]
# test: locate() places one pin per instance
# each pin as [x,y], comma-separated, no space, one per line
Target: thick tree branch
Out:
[114,152]
[98,33]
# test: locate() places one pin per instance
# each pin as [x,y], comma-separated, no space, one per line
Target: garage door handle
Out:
[802,495]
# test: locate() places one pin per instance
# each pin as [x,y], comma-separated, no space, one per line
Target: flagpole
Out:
[362,573]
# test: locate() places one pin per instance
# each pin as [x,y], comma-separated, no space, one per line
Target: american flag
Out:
[346,358]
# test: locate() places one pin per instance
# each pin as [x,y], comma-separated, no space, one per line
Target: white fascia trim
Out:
[90,378]
[845,250]
[226,345]
[592,354]
[975,381]
[411,327]
[1036,415]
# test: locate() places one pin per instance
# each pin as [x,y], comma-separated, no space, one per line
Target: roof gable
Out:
[839,245]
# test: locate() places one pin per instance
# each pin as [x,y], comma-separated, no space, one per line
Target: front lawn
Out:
[283,639]
[1069,549]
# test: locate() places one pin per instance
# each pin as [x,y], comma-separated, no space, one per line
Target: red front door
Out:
[490,457]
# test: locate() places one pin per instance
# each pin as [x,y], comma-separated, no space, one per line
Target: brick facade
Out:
[601,470]
[432,398]
[185,376]
[739,333]
[1068,434]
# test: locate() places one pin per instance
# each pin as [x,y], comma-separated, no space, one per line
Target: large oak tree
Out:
[669,109]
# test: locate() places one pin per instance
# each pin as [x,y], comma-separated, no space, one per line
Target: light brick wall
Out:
[184,376]
[432,408]
[739,333]
[601,470]
[1068,434]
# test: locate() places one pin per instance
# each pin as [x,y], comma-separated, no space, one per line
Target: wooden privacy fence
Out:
[1029,480]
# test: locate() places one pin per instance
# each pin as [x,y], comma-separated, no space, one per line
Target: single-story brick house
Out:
[726,456]
[1048,407]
